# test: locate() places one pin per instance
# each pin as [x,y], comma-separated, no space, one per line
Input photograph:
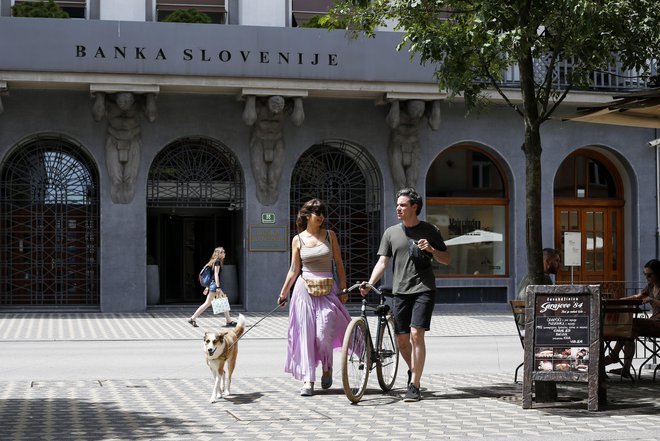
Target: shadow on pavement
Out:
[640,398]
[61,418]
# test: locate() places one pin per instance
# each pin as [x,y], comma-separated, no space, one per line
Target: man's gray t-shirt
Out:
[411,275]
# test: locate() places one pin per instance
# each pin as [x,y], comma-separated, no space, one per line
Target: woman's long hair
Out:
[654,266]
[218,254]
[312,206]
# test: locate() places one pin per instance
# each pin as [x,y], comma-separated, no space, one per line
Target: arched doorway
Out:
[49,223]
[194,203]
[343,177]
[588,199]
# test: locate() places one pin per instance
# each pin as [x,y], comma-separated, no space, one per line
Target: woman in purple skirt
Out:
[317,321]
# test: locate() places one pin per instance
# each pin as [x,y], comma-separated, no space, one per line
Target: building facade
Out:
[130,148]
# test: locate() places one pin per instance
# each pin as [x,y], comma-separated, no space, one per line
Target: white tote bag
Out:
[220,304]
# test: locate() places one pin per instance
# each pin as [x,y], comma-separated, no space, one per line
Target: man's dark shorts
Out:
[413,310]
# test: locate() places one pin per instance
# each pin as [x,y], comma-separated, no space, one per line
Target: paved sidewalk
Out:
[172,325]
[456,405]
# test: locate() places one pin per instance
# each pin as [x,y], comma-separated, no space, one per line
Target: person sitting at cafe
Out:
[648,327]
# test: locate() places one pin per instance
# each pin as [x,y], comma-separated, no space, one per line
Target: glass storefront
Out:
[468,202]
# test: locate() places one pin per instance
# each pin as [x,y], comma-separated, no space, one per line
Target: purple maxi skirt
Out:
[316,328]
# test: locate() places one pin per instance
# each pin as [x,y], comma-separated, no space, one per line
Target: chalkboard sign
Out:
[562,340]
[562,337]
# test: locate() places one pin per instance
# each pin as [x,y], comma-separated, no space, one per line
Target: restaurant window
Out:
[75,8]
[215,9]
[466,198]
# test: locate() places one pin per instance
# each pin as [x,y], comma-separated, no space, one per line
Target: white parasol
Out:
[473,237]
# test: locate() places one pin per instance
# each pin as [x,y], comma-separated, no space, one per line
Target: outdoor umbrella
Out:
[475,237]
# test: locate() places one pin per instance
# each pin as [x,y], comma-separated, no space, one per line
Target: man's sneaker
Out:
[412,394]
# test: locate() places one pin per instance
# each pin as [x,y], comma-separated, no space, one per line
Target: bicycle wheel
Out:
[355,360]
[387,363]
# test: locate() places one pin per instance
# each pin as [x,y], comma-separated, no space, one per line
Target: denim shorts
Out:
[213,287]
[413,310]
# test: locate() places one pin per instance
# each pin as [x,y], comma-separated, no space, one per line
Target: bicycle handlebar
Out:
[364,285]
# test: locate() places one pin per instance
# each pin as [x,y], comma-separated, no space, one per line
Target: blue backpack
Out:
[206,276]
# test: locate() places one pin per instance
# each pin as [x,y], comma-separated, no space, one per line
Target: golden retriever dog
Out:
[219,348]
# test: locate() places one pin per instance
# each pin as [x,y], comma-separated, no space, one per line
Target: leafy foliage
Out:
[472,42]
[188,16]
[45,9]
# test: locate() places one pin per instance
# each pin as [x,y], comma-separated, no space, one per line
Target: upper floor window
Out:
[215,9]
[75,8]
[304,10]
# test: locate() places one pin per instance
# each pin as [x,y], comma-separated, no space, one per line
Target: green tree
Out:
[46,9]
[472,42]
[188,16]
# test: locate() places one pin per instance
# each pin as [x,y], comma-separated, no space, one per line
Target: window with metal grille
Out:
[49,225]
[348,182]
[195,172]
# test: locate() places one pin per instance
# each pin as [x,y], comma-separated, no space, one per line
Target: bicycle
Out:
[360,355]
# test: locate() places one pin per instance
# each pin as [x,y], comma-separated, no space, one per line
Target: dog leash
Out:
[279,305]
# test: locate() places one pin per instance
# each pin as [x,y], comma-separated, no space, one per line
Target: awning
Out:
[639,109]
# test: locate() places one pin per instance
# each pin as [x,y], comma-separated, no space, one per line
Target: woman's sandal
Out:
[193,323]
[231,324]
[326,380]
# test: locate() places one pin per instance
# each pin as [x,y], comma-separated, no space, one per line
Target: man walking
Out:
[413,245]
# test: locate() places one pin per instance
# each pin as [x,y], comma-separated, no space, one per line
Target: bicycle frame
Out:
[361,353]
[381,312]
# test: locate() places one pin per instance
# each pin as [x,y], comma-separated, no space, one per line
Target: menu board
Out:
[562,341]
[561,332]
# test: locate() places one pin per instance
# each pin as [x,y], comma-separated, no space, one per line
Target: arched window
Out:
[49,225]
[348,182]
[466,198]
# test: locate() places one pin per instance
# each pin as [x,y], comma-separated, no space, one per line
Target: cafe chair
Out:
[617,324]
[648,333]
[518,311]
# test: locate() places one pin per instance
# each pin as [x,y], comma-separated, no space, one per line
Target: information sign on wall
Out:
[268,238]
[267,218]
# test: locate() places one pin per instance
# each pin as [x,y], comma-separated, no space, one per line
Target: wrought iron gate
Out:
[348,182]
[194,200]
[49,223]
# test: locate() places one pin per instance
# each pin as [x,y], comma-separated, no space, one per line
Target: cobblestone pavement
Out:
[456,405]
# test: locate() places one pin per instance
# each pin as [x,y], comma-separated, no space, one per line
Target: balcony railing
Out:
[612,78]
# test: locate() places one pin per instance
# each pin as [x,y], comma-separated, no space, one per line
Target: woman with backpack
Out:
[215,262]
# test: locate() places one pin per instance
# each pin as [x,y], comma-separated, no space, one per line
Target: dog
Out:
[221,348]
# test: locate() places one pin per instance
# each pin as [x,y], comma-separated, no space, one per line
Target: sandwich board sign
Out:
[562,338]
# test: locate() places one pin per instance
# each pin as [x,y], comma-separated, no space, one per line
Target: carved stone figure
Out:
[123,141]
[266,116]
[404,149]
